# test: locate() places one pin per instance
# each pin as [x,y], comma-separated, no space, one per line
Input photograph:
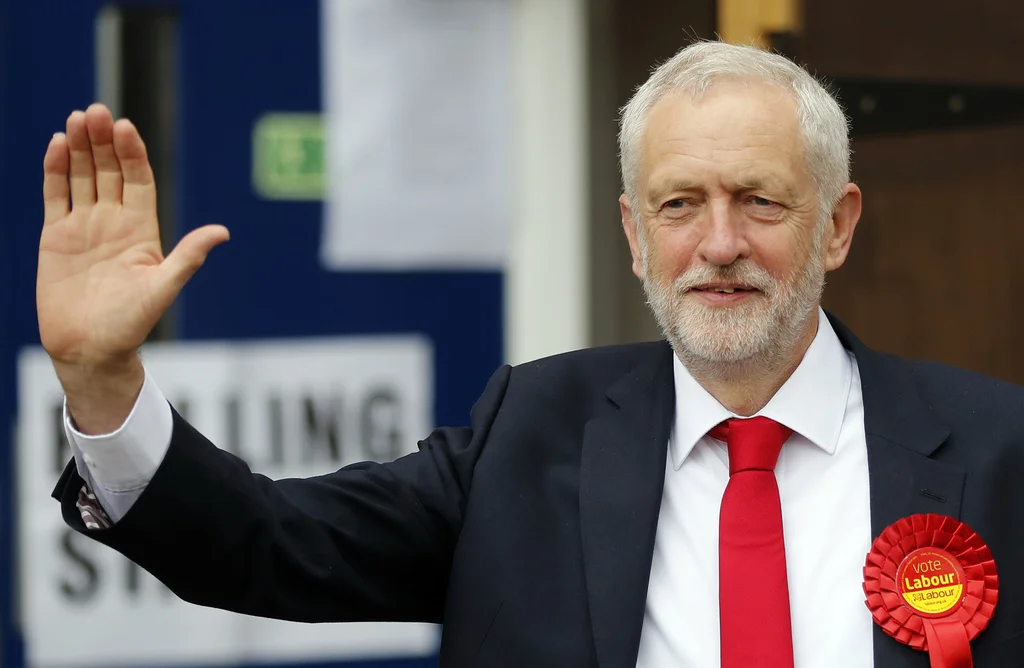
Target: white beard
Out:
[759,332]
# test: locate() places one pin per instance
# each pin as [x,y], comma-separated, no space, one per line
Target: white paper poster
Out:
[418,97]
[289,408]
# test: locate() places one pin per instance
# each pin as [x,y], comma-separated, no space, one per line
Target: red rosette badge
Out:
[931,583]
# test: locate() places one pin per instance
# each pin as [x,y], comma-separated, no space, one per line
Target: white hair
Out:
[824,127]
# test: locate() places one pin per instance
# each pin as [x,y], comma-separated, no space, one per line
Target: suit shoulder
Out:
[958,380]
[595,367]
[568,389]
[956,389]
[617,358]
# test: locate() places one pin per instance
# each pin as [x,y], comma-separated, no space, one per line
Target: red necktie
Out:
[753,589]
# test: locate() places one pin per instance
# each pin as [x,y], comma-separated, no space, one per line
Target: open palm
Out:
[103,282]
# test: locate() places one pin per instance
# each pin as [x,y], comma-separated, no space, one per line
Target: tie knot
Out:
[754,443]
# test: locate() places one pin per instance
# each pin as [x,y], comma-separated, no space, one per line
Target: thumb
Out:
[189,255]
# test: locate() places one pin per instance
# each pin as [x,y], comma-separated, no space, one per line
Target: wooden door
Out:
[935,271]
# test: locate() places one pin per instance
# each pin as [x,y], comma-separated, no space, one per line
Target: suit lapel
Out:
[902,436]
[622,474]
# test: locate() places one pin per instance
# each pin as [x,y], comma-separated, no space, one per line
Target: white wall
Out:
[547,309]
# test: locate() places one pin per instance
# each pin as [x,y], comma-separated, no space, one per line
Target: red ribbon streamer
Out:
[948,643]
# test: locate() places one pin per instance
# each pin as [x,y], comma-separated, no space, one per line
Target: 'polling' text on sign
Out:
[292,408]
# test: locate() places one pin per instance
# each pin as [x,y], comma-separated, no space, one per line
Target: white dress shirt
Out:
[826,516]
[118,466]
[823,482]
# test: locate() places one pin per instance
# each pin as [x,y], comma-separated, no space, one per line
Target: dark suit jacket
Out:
[529,534]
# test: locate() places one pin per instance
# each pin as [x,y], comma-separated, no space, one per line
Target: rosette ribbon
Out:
[931,583]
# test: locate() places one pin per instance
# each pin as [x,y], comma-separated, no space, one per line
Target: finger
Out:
[189,255]
[56,192]
[100,125]
[139,193]
[83,175]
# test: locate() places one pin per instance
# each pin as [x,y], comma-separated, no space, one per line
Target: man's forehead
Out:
[747,134]
[735,147]
[751,165]
[726,112]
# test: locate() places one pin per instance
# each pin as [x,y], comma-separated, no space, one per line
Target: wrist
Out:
[101,396]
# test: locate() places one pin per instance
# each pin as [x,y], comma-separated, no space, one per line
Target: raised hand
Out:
[103,282]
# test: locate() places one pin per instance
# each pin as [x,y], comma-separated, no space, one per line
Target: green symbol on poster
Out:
[289,157]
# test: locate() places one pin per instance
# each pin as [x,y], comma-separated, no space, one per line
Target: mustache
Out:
[744,273]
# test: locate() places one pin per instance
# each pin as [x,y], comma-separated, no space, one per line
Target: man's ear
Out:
[629,224]
[844,223]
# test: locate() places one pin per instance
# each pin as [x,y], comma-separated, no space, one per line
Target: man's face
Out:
[732,249]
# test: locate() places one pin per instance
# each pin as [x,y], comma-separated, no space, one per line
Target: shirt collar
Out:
[812,401]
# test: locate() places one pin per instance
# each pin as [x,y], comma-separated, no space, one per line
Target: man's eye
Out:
[675,204]
[760,201]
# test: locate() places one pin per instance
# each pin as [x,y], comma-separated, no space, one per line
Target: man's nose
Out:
[723,237]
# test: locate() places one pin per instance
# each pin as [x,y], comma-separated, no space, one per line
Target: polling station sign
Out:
[289,408]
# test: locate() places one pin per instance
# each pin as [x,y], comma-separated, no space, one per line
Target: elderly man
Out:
[702,502]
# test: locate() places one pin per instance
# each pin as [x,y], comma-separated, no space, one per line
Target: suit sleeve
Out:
[369,542]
